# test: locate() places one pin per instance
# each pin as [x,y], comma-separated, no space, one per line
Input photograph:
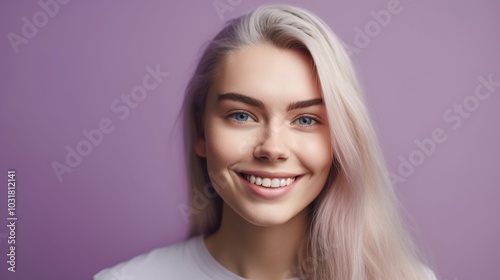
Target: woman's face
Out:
[266,136]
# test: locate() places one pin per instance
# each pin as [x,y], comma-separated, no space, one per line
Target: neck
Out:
[256,252]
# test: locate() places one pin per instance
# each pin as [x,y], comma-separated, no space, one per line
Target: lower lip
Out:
[269,193]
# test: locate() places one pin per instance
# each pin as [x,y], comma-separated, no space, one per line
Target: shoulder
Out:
[171,261]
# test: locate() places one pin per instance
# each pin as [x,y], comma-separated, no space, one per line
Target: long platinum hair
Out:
[356,231]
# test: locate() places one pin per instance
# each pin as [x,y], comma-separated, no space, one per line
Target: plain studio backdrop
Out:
[91,91]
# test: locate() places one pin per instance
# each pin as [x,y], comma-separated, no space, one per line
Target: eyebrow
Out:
[240,98]
[259,104]
[305,104]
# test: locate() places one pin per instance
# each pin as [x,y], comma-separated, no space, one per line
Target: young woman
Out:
[287,177]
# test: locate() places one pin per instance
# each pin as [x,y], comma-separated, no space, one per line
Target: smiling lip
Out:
[269,189]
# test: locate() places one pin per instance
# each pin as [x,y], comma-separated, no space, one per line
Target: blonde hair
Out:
[355,229]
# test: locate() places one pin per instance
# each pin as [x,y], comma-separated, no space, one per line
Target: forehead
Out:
[267,72]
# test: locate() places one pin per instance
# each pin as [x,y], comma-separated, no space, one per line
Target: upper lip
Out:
[266,174]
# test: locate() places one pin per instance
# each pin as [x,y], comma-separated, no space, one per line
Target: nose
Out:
[272,145]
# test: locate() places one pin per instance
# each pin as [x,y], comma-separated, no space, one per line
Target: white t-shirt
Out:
[189,260]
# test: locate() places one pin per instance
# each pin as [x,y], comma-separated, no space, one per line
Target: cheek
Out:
[317,153]
[225,146]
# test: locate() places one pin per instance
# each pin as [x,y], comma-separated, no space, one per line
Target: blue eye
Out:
[306,121]
[240,116]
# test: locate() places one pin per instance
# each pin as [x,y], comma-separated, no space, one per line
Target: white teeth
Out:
[275,183]
[282,183]
[258,181]
[269,182]
[266,182]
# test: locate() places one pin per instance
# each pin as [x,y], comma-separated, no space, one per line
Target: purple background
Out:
[123,198]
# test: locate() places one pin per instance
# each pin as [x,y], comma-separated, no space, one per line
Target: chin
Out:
[267,217]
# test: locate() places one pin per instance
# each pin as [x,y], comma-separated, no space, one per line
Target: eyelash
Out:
[313,119]
[232,116]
